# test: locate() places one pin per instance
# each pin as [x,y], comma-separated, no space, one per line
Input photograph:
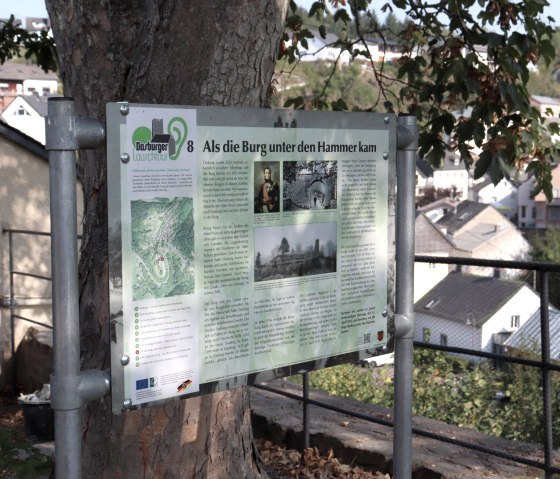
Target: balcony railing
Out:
[545,365]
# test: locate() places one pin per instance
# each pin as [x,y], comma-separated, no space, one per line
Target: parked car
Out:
[381,360]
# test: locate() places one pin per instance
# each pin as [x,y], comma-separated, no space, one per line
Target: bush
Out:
[450,389]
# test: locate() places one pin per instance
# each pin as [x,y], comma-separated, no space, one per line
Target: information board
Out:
[245,244]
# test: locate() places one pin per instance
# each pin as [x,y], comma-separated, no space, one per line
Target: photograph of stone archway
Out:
[309,185]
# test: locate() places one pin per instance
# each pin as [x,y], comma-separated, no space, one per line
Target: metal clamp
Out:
[64,131]
[404,327]
[72,392]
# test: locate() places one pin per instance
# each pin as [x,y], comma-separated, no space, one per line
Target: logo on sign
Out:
[155,144]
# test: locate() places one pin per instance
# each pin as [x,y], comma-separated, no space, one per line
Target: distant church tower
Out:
[317,246]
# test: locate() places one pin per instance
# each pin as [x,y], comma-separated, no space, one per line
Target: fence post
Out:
[407,145]
[65,134]
[546,375]
[305,409]
[12,312]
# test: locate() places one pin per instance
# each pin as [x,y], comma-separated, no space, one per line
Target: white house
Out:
[465,310]
[429,241]
[24,79]
[502,196]
[424,177]
[439,208]
[528,337]
[319,49]
[526,209]
[548,214]
[547,106]
[452,176]
[382,50]
[481,231]
[27,114]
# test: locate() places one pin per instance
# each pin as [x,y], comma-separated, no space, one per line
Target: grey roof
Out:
[38,102]
[448,203]
[460,297]
[459,216]
[426,242]
[449,164]
[528,336]
[424,167]
[546,99]
[22,71]
[21,139]
[486,181]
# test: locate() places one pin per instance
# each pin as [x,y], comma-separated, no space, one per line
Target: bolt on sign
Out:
[245,244]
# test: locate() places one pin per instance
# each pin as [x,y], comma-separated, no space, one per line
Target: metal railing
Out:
[545,364]
[13,273]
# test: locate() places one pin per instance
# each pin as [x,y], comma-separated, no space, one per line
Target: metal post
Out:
[64,257]
[12,312]
[546,373]
[63,132]
[305,410]
[407,145]
[12,298]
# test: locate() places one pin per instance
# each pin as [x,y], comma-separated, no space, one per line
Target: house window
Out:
[443,339]
[534,212]
[21,112]
[426,333]
[554,214]
[432,303]
[515,321]
[523,211]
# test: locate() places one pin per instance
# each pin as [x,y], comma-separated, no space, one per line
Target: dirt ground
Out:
[278,462]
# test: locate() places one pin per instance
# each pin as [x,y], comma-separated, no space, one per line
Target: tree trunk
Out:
[220,52]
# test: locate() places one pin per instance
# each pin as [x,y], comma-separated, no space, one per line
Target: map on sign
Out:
[162,248]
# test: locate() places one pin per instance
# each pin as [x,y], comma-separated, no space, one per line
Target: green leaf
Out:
[339,105]
[296,103]
[342,15]
[317,9]
[482,165]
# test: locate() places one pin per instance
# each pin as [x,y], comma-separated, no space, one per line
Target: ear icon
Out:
[177,128]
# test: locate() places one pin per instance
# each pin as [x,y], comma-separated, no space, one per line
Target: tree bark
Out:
[220,52]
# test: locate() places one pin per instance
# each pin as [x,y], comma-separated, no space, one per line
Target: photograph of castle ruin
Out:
[295,250]
[309,185]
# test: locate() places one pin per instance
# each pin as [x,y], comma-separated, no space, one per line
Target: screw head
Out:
[385,155]
[127,404]
[386,120]
[124,110]
[125,158]
[125,360]
[384,313]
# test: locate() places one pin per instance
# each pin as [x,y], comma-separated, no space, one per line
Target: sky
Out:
[36,8]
